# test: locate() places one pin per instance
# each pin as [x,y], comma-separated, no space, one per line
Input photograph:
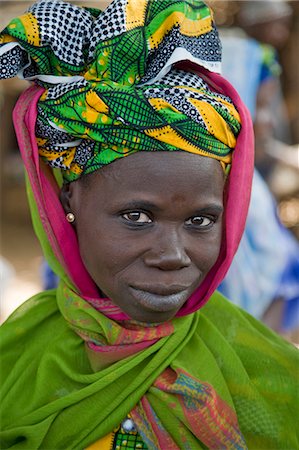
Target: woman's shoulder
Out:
[259,369]
[30,327]
[242,331]
[28,315]
[249,350]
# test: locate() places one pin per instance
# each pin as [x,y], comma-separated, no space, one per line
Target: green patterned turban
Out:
[112,81]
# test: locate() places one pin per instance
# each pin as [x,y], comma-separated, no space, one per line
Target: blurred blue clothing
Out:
[49,278]
[246,64]
[266,265]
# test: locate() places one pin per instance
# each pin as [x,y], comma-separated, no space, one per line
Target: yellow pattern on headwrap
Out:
[69,154]
[6,38]
[135,13]
[95,102]
[231,108]
[160,103]
[188,27]
[32,30]
[30,25]
[168,134]
[116,96]
[215,124]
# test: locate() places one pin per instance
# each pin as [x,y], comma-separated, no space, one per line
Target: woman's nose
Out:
[168,252]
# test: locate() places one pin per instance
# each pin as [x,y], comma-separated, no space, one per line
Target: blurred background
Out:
[275,114]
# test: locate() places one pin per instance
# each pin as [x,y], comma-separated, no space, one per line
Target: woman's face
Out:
[149,229]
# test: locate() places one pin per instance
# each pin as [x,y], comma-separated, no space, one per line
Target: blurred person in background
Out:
[264,276]
[250,62]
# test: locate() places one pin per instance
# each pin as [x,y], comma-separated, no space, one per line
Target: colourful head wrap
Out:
[111,88]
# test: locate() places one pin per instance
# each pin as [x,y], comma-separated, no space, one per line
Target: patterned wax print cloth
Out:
[74,366]
[110,85]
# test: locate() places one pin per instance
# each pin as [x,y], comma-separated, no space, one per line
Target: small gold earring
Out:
[70,217]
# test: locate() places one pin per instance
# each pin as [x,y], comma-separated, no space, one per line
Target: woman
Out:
[121,355]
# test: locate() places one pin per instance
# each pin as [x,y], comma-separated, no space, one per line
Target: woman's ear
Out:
[67,201]
[65,197]
[70,195]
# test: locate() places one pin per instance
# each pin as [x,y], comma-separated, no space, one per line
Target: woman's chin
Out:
[144,317]
[146,320]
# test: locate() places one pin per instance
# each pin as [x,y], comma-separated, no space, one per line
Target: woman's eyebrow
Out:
[215,208]
[140,204]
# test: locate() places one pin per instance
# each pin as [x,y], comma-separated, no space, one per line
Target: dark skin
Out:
[149,229]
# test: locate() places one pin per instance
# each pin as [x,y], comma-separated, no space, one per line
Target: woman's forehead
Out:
[161,173]
[160,163]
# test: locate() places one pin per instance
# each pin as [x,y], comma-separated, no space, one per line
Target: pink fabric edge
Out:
[60,233]
[63,238]
[237,196]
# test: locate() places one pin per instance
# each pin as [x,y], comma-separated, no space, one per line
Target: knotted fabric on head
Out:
[112,83]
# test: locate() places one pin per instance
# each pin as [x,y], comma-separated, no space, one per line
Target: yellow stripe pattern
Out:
[30,24]
[215,124]
[188,27]
[104,443]
[135,13]
[160,103]
[168,134]
[95,102]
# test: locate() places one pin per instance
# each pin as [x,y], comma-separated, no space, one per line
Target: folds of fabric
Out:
[243,370]
[108,87]
[67,394]
[61,39]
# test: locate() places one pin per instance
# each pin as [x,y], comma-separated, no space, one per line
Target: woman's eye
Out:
[137,217]
[200,221]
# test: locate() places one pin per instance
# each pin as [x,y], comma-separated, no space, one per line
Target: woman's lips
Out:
[160,299]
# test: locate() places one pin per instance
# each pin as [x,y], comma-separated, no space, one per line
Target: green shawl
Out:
[53,399]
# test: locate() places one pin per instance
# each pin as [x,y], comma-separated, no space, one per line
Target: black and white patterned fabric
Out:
[12,62]
[65,28]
